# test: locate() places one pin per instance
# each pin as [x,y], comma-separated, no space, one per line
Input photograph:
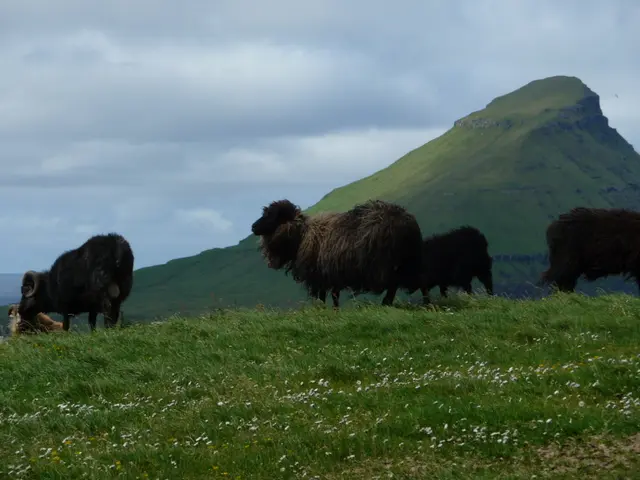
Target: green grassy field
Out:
[474,388]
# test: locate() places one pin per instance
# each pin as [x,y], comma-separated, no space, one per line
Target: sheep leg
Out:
[335,296]
[111,316]
[425,295]
[562,275]
[93,318]
[322,295]
[443,290]
[567,283]
[487,280]
[66,321]
[390,296]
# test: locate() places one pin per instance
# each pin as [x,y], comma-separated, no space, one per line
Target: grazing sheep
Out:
[373,247]
[453,259]
[594,242]
[40,323]
[96,277]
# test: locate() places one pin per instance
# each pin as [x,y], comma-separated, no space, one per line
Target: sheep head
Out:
[279,230]
[32,295]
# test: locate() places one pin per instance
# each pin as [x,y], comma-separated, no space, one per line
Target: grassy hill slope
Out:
[490,388]
[507,169]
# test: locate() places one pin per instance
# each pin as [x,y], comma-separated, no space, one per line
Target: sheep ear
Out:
[113,290]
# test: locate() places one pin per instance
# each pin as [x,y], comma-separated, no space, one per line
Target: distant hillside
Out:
[508,169]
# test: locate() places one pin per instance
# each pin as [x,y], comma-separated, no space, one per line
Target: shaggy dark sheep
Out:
[453,259]
[594,242]
[96,277]
[373,247]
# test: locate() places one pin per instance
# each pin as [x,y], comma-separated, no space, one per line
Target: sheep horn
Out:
[35,278]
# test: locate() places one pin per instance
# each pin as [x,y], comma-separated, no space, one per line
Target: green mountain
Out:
[508,169]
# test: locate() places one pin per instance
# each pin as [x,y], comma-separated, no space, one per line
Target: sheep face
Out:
[279,230]
[33,295]
[273,215]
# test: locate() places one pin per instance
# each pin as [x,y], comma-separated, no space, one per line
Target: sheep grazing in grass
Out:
[96,277]
[41,323]
[594,243]
[453,258]
[373,247]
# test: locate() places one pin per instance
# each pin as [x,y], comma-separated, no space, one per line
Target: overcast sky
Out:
[174,122]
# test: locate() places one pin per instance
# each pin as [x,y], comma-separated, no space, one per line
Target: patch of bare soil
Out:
[415,467]
[596,456]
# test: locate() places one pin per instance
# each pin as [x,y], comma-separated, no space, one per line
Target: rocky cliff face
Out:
[584,115]
[474,123]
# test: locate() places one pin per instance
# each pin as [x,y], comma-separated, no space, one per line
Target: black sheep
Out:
[373,247]
[453,259]
[96,277]
[594,242]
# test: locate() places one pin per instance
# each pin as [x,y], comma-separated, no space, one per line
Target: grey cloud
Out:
[158,100]
[184,166]
[138,116]
[402,83]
